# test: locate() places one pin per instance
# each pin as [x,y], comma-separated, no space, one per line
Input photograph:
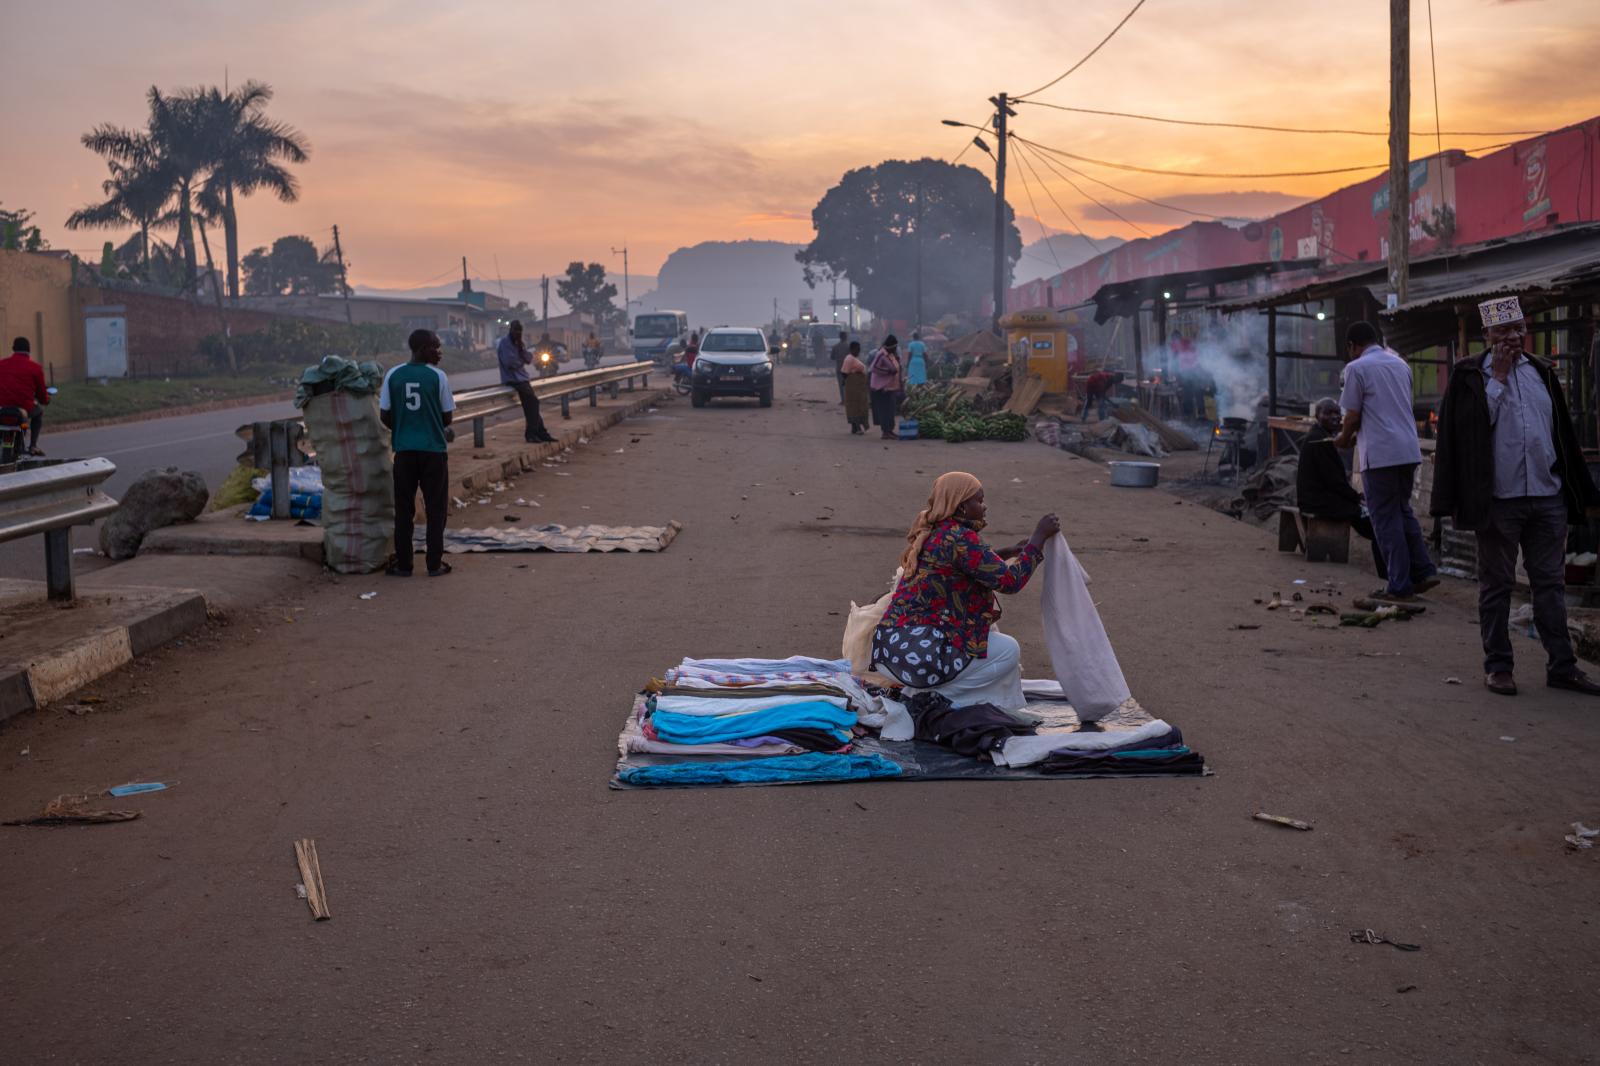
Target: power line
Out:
[1040,218]
[1433,64]
[969,145]
[1064,213]
[1274,129]
[1092,51]
[1206,174]
[1079,189]
[1119,191]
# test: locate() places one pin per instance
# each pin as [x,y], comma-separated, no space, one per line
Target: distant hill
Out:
[733,283]
[515,289]
[1069,248]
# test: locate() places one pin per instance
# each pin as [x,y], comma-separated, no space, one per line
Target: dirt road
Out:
[447,744]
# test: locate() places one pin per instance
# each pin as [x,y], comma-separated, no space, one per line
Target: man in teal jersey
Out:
[416,404]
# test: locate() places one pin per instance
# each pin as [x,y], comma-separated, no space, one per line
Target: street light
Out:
[1322,316]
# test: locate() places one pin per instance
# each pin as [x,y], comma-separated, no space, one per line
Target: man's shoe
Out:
[1501,683]
[1577,681]
[1393,597]
[396,570]
[1424,584]
[443,569]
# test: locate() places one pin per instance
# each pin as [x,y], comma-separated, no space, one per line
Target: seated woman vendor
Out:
[935,634]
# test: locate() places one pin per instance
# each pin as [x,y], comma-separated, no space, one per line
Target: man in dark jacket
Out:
[1322,482]
[1508,467]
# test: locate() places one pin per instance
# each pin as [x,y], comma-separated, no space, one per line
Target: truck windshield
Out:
[656,326]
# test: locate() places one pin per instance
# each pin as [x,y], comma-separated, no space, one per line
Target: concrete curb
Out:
[70,666]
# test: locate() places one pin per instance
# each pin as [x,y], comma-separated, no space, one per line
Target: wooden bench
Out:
[1323,540]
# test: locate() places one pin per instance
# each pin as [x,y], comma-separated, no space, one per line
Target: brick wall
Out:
[164,332]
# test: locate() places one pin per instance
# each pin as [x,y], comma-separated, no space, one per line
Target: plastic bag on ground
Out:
[341,415]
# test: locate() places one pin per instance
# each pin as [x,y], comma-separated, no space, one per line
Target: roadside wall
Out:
[35,302]
[164,332]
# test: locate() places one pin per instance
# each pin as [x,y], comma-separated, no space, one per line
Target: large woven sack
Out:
[858,627]
[357,480]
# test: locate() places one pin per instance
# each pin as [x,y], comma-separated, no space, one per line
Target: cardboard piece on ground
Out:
[1025,397]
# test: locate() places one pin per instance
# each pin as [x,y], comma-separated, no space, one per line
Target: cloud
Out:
[1251,204]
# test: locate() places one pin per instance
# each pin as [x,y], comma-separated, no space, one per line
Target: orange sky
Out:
[539,133]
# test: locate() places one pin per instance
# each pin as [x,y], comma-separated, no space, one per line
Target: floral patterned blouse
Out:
[955,585]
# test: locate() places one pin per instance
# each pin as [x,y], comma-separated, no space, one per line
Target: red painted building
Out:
[1455,199]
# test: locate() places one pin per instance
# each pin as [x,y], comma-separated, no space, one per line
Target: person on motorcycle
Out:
[591,351]
[514,359]
[691,349]
[22,386]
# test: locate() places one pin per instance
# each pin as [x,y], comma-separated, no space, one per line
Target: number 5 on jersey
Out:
[413,396]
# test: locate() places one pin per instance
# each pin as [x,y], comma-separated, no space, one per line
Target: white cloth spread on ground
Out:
[722,705]
[1025,751]
[1080,651]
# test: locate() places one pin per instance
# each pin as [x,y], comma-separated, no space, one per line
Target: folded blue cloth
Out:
[782,769]
[702,729]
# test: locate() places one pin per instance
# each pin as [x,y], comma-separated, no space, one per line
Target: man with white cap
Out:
[1509,468]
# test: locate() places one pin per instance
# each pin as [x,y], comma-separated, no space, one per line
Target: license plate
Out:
[731,377]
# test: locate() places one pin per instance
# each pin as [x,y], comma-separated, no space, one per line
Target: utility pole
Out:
[544,288]
[1399,148]
[344,278]
[1001,113]
[466,286]
[917,324]
[627,301]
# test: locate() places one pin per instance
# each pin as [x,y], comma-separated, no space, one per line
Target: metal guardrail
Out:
[49,497]
[479,404]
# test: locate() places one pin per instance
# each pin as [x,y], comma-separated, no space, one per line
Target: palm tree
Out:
[136,195]
[248,153]
[176,141]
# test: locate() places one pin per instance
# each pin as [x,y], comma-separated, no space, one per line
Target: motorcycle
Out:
[13,434]
[591,356]
[680,379]
[548,362]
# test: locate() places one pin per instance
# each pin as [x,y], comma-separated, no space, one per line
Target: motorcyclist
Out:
[691,349]
[591,351]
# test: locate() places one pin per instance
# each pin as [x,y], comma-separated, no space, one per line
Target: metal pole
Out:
[58,564]
[477,432]
[278,442]
[1272,361]
[1001,112]
[917,324]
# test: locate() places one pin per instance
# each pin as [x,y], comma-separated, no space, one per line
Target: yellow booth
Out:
[1040,344]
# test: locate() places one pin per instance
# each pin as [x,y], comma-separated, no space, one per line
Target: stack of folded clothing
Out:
[738,710]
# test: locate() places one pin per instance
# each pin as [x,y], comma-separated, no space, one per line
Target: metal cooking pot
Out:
[1135,475]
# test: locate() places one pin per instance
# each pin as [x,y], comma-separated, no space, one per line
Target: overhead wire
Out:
[1120,191]
[1433,64]
[1208,174]
[972,141]
[1064,212]
[1269,129]
[1131,12]
[1039,217]
[1079,189]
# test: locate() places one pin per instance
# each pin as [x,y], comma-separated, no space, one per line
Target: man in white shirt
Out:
[1377,407]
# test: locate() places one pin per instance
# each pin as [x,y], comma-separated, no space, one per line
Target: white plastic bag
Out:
[858,628]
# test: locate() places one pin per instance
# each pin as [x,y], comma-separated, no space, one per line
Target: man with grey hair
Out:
[1508,467]
[1322,480]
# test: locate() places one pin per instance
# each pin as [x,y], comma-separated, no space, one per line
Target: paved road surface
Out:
[206,443]
[447,744]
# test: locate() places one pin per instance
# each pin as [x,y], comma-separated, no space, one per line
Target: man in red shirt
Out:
[1097,392]
[22,386]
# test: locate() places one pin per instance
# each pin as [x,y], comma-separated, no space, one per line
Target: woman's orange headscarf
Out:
[950,491]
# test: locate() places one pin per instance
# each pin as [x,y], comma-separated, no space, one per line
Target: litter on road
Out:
[1367,936]
[71,810]
[1278,819]
[135,788]
[305,853]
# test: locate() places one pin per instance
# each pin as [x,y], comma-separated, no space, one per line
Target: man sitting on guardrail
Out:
[22,386]
[416,404]
[515,358]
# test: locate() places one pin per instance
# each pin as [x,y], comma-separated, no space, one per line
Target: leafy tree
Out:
[867,230]
[292,266]
[586,290]
[248,153]
[18,231]
[137,193]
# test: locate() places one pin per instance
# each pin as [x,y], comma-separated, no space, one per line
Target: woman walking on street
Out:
[857,396]
[885,382]
[916,361]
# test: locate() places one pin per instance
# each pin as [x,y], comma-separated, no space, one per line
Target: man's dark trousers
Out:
[534,429]
[1537,525]
[1394,527]
[429,471]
